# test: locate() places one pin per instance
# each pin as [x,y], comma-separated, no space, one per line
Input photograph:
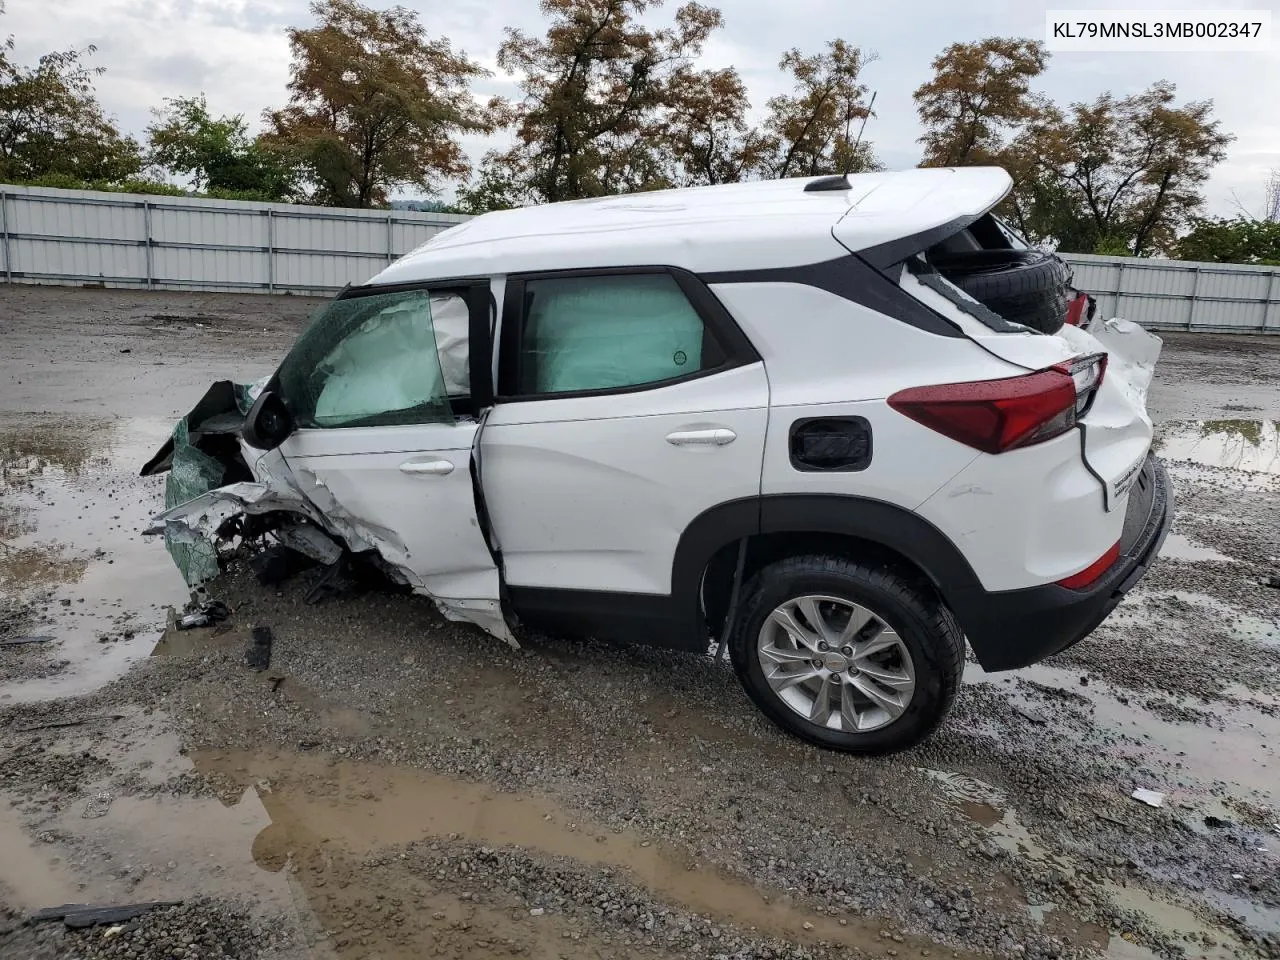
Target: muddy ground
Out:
[397,786]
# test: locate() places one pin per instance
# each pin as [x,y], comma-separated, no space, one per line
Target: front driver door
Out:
[379,387]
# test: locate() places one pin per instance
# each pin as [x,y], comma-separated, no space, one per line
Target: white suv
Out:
[757,413]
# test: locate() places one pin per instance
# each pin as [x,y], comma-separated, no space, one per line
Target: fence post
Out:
[4,232]
[391,257]
[146,221]
[1270,301]
[271,251]
[1195,286]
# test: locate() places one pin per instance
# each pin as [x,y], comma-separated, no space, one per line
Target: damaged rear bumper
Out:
[1016,628]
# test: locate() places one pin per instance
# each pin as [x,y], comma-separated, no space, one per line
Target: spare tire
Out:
[1023,286]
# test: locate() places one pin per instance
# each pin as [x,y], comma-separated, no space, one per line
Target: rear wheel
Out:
[846,656]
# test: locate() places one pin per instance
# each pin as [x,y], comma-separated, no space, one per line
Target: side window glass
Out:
[369,361]
[608,332]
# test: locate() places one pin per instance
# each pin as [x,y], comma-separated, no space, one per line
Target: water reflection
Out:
[1249,445]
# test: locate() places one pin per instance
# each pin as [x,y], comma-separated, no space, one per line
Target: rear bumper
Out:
[1016,628]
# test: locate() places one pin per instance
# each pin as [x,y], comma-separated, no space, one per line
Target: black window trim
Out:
[738,350]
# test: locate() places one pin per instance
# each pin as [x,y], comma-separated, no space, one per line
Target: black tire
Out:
[1023,286]
[926,626]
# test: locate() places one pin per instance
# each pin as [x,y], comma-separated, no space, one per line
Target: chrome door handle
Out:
[716,437]
[430,468]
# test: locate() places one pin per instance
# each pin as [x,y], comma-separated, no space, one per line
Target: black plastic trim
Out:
[885,255]
[936,282]
[852,279]
[738,350]
[605,615]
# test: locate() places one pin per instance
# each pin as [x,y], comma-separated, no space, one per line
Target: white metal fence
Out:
[1181,295]
[166,243]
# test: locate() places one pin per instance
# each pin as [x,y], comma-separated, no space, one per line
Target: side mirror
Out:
[268,422]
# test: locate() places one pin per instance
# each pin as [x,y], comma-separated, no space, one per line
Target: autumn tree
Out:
[978,98]
[813,130]
[52,126]
[216,153]
[375,104]
[1117,173]
[596,86]
[705,129]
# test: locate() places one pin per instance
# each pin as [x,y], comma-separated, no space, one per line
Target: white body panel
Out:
[590,494]
[408,489]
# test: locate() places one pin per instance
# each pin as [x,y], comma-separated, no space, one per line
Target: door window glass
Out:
[368,361]
[609,332]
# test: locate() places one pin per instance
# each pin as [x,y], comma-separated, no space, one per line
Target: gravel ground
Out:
[396,785]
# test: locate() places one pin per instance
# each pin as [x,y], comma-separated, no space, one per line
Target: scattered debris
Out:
[97,805]
[1152,798]
[22,641]
[1029,716]
[257,656]
[80,915]
[54,724]
[1216,822]
[206,614]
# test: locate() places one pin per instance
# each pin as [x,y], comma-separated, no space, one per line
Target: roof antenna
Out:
[841,181]
[853,151]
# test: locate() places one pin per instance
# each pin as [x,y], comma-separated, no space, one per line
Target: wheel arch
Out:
[784,525]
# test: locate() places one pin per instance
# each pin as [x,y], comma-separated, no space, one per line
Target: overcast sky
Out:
[236,52]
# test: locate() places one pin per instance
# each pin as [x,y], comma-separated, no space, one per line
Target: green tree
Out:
[51,123]
[1127,169]
[813,130]
[596,86]
[491,189]
[1238,240]
[216,153]
[376,104]
[978,98]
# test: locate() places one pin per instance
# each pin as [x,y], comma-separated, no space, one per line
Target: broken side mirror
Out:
[268,422]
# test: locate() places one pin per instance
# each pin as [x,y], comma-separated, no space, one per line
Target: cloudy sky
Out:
[236,52]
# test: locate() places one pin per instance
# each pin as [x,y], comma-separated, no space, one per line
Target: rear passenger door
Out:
[629,402]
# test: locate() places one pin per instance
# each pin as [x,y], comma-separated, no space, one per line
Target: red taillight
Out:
[999,415]
[1093,571]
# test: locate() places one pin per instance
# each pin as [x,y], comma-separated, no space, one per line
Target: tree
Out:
[492,189]
[1240,240]
[595,87]
[706,129]
[51,124]
[813,130]
[216,153]
[375,104]
[979,96]
[1116,171]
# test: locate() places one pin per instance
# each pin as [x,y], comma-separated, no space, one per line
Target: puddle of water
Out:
[1249,445]
[30,881]
[1172,919]
[1242,754]
[1179,547]
[315,801]
[73,483]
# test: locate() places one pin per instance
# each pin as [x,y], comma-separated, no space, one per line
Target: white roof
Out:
[738,226]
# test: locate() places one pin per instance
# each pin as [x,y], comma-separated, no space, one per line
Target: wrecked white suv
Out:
[837,425]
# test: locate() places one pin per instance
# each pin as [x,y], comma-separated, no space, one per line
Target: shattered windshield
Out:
[367,361]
